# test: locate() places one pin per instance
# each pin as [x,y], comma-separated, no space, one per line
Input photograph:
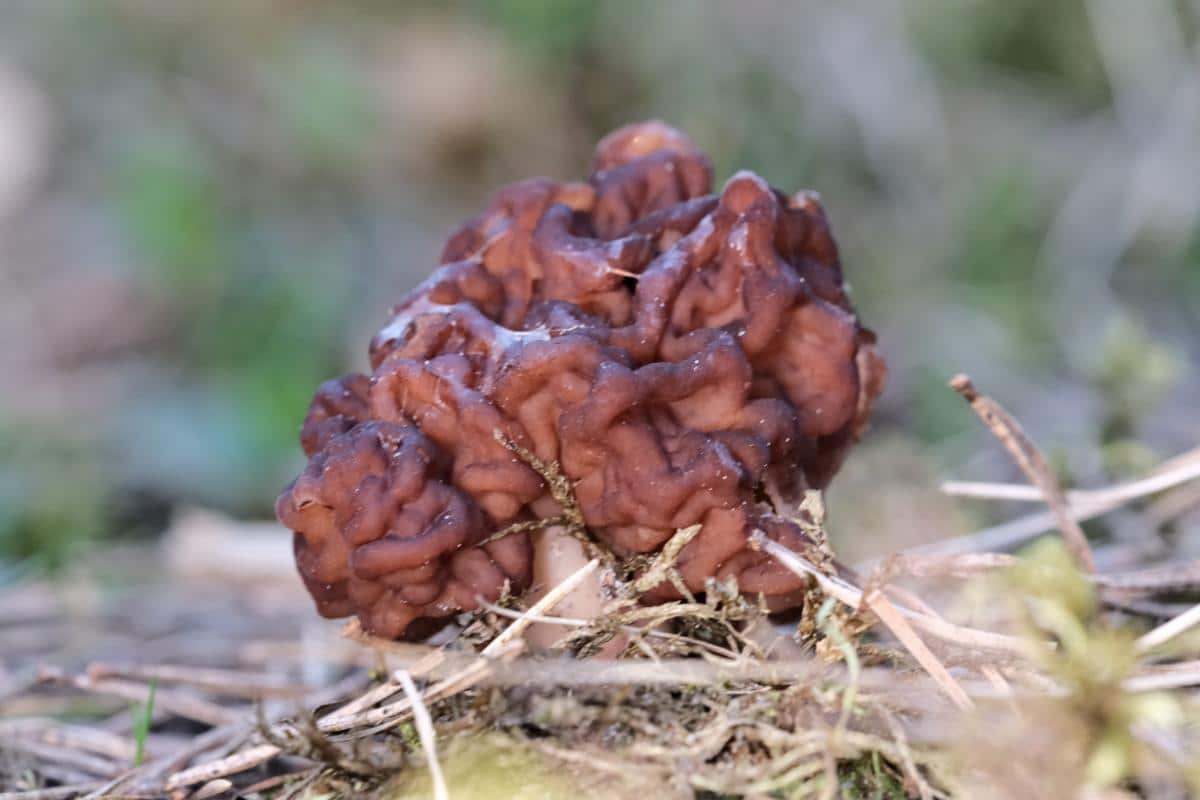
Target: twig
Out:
[231,682]
[998,681]
[1125,601]
[668,672]
[1032,463]
[562,489]
[1174,676]
[527,526]
[80,760]
[235,763]
[964,565]
[548,601]
[426,733]
[1161,578]
[152,772]
[1014,532]
[1002,536]
[559,484]
[573,622]
[852,596]
[230,765]
[70,737]
[1188,469]
[1119,589]
[663,567]
[386,716]
[278,780]
[213,788]
[1170,629]
[1172,505]
[181,703]
[430,659]
[53,793]
[882,607]
[887,612]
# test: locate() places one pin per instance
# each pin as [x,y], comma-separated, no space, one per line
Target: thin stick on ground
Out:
[499,647]
[551,599]
[632,630]
[1032,463]
[365,722]
[888,614]
[1169,474]
[999,537]
[883,608]
[231,682]
[1170,629]
[1161,578]
[1178,470]
[426,733]
[1185,674]
[389,687]
[177,702]
[965,565]
[850,595]
[53,793]
[230,765]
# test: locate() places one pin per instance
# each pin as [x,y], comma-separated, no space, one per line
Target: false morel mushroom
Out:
[675,357]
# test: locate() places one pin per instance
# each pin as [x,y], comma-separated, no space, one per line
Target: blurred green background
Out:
[207,208]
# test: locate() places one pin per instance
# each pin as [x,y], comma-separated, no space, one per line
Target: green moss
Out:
[498,768]
[869,778]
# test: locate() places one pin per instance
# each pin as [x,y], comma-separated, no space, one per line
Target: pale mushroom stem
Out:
[556,556]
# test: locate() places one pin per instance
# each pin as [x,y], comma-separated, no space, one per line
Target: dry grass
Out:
[1062,689]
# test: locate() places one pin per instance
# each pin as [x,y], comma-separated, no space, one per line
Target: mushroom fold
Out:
[681,356]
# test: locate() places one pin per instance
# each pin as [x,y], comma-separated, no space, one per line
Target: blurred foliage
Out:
[52,496]
[993,265]
[1132,375]
[260,180]
[1051,43]
[1091,656]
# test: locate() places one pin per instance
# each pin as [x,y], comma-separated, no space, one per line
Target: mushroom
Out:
[675,357]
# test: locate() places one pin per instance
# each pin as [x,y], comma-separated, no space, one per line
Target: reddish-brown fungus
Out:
[673,352]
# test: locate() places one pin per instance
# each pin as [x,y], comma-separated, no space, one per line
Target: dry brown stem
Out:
[1031,461]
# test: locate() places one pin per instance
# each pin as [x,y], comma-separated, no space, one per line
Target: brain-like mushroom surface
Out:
[680,356]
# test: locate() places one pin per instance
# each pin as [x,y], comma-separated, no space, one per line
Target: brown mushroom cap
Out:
[674,352]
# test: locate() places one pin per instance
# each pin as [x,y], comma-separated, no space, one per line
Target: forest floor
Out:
[193,669]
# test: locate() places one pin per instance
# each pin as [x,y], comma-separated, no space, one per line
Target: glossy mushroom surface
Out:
[680,356]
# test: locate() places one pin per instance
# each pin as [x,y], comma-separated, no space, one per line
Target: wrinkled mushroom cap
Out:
[680,355]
